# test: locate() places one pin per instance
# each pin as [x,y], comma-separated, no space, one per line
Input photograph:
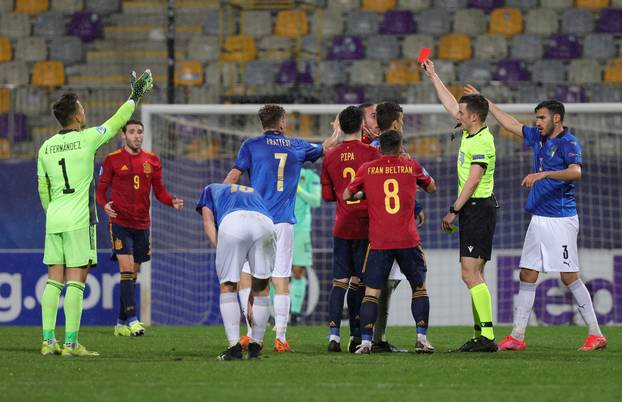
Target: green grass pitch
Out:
[179,364]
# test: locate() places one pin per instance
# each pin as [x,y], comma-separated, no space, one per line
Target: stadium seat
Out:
[188,73]
[557,4]
[49,25]
[85,25]
[594,5]
[67,6]
[398,22]
[548,72]
[530,93]
[412,45]
[14,25]
[332,72]
[511,71]
[67,49]
[470,22]
[527,47]
[446,70]
[343,4]
[212,74]
[570,94]
[258,72]
[31,101]
[362,23]
[256,23]
[239,48]
[287,74]
[414,5]
[433,21]
[610,20]
[31,49]
[457,90]
[379,6]
[383,47]
[599,46]
[49,74]
[212,24]
[14,73]
[500,93]
[450,5]
[562,47]
[474,71]
[5,49]
[402,72]
[31,6]
[584,71]
[4,100]
[275,48]
[506,21]
[426,147]
[306,73]
[613,71]
[486,5]
[20,126]
[455,47]
[310,47]
[346,48]
[366,72]
[327,23]
[491,47]
[204,48]
[291,23]
[6,6]
[349,95]
[541,21]
[5,148]
[102,7]
[524,5]
[606,93]
[577,21]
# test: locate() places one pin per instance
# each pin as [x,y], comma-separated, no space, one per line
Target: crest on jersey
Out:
[101,129]
[552,150]
[147,169]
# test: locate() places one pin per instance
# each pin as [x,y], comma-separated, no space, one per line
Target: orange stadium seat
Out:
[456,90]
[4,100]
[379,6]
[5,49]
[5,149]
[291,23]
[31,6]
[506,21]
[50,74]
[613,71]
[454,47]
[188,73]
[594,5]
[426,147]
[239,48]
[402,72]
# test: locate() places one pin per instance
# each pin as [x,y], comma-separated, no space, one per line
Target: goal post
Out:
[198,145]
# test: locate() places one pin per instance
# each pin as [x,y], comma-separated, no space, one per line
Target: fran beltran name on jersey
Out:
[69,146]
[282,142]
[389,169]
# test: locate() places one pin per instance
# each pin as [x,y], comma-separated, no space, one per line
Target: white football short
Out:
[551,244]
[284,251]
[396,274]
[245,236]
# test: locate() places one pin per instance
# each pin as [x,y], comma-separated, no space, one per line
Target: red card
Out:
[424,54]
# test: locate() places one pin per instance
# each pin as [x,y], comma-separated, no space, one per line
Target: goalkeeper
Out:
[66,188]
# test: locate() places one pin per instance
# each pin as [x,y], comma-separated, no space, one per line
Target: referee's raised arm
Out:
[447,99]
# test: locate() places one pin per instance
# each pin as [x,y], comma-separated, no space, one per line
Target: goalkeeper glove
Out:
[140,86]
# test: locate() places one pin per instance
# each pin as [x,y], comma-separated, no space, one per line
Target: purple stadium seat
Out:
[562,47]
[306,75]
[346,48]
[511,70]
[85,25]
[570,94]
[610,20]
[349,95]
[398,22]
[486,5]
[288,72]
[20,126]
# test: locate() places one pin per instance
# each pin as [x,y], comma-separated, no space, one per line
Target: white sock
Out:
[586,308]
[261,314]
[422,337]
[366,343]
[335,338]
[244,295]
[281,315]
[522,310]
[230,311]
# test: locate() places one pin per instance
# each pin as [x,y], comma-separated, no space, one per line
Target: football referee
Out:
[476,205]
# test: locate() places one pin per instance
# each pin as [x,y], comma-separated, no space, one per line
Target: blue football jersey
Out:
[273,163]
[549,197]
[223,199]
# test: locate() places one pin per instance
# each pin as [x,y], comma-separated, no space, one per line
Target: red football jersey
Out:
[130,178]
[390,184]
[338,169]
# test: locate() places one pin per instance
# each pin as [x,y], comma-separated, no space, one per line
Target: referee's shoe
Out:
[480,344]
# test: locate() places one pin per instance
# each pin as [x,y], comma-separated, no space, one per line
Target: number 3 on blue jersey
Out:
[282,157]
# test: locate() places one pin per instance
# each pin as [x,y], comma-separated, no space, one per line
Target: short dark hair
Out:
[390,142]
[555,107]
[351,119]
[65,108]
[365,105]
[386,114]
[270,115]
[140,123]
[476,104]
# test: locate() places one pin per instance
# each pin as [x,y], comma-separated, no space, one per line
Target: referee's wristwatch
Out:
[453,210]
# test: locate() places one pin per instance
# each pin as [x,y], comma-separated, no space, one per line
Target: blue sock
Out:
[420,308]
[127,309]
[335,306]
[354,309]
[369,315]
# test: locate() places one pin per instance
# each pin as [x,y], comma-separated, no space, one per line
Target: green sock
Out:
[483,305]
[271,293]
[73,310]
[49,308]
[298,289]
[477,330]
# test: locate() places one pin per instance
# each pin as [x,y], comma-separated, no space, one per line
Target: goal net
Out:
[198,145]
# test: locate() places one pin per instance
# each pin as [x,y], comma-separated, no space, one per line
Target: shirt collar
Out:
[480,130]
[273,132]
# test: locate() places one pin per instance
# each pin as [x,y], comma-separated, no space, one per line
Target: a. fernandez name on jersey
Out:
[70,146]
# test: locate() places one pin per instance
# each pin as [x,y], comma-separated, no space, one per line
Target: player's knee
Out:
[228,287]
[569,277]
[471,277]
[528,275]
[298,272]
[259,285]
[355,280]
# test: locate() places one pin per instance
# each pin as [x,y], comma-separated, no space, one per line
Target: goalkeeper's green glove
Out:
[140,86]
